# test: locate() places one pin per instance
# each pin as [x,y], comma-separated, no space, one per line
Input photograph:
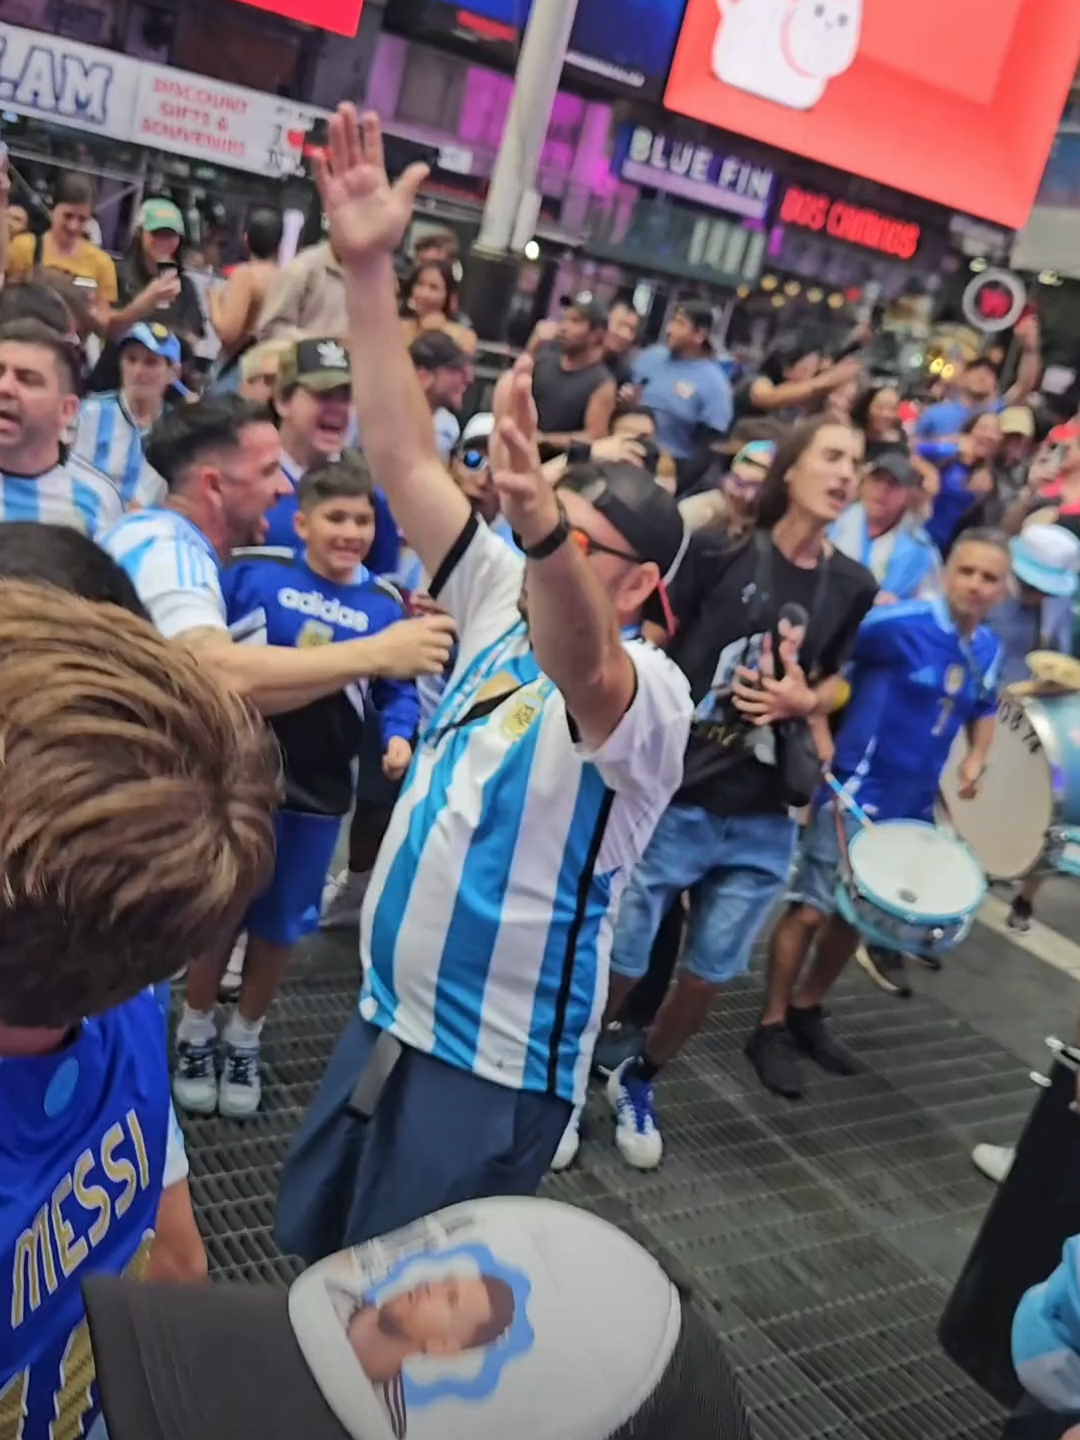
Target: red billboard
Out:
[954,100]
[340,17]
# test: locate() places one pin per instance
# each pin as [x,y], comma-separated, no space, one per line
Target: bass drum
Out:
[1030,787]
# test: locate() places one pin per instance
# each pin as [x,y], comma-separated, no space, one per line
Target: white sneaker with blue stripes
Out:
[637,1135]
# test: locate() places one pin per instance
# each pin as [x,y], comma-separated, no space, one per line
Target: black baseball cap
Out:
[314,365]
[896,465]
[589,308]
[436,352]
[500,1317]
[645,515]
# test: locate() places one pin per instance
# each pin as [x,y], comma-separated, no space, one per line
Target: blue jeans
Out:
[439,1136]
[736,864]
[818,865]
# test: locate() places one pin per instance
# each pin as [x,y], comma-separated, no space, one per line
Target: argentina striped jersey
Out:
[174,569]
[72,493]
[108,438]
[486,930]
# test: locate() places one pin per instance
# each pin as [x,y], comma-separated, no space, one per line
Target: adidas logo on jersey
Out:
[320,607]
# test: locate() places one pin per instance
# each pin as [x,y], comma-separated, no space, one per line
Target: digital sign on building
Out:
[956,102]
[340,17]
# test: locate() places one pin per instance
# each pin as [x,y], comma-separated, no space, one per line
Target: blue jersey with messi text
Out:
[277,599]
[82,1159]
[915,681]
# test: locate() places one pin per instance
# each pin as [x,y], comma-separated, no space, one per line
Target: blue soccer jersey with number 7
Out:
[83,1140]
[915,683]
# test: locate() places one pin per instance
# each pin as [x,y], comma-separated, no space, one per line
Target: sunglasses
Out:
[588,546]
[474,459]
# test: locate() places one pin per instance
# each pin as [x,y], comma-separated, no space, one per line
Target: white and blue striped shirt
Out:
[486,931]
[72,493]
[108,438]
[174,568]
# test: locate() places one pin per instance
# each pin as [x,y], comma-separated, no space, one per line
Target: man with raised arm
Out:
[559,741]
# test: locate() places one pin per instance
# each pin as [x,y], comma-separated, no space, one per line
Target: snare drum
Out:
[911,887]
[1030,791]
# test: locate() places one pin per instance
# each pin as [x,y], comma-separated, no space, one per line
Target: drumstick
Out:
[847,801]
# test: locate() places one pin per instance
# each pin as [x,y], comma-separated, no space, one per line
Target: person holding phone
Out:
[153,285]
[152,288]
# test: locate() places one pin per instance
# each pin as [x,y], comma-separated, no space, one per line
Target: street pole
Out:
[492,269]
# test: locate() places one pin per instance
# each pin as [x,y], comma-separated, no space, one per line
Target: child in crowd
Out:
[304,600]
[113,425]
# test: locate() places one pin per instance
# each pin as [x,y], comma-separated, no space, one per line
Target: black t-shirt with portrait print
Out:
[722,625]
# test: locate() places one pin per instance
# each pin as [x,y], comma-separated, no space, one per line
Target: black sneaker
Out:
[886,968]
[617,1044]
[814,1038]
[773,1054]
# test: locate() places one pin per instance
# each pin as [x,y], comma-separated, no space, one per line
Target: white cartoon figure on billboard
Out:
[786,50]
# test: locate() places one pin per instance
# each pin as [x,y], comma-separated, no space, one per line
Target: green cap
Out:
[161,214]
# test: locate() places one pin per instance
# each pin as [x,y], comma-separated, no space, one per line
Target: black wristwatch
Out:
[552,540]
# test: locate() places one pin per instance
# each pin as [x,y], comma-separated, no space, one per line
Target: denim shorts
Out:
[735,866]
[818,863]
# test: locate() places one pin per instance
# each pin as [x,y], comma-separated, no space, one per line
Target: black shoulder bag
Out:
[797,758]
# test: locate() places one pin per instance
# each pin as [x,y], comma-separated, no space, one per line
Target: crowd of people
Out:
[600,683]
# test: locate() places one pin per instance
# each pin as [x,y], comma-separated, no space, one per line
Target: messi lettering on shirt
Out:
[82,1158]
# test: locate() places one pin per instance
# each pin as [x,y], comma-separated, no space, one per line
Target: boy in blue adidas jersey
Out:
[921,671]
[113,425]
[136,810]
[302,602]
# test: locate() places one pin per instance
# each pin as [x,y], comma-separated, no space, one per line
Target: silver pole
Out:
[536,83]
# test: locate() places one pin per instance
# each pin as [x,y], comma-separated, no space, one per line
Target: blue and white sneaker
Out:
[637,1134]
[569,1145]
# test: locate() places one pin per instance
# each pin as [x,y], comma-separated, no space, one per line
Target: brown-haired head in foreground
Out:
[136,807]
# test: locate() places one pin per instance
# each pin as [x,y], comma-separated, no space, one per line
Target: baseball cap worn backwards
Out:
[499,1318]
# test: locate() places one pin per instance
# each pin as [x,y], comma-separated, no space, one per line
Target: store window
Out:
[242,51]
[91,21]
[432,89]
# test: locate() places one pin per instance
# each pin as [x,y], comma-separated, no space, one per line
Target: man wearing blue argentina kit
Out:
[486,931]
[307,603]
[921,671]
[684,387]
[91,871]
[313,405]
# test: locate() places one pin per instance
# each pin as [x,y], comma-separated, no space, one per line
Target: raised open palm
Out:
[367,215]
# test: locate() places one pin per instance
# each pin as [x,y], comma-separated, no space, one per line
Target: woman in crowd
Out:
[876,412]
[429,300]
[967,477]
[793,376]
[151,274]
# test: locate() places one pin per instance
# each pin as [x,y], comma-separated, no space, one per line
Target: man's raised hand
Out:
[367,215]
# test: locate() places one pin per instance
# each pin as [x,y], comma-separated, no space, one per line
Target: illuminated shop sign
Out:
[854,224]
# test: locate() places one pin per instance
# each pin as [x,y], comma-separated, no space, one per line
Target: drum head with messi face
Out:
[1007,822]
[915,872]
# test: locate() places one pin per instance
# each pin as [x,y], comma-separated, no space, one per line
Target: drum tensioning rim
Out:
[1034,708]
[914,916]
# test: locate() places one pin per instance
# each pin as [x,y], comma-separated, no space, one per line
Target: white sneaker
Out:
[569,1145]
[637,1134]
[230,982]
[994,1161]
[194,1081]
[240,1091]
